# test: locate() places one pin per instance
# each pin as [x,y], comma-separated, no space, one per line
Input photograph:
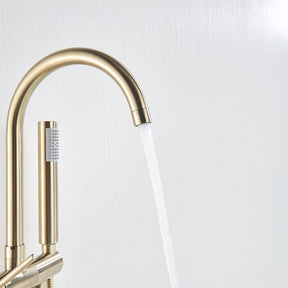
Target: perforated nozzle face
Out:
[52,144]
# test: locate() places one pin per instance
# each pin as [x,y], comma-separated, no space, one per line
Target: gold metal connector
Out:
[10,275]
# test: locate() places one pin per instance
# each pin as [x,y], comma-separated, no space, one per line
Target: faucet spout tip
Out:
[141,116]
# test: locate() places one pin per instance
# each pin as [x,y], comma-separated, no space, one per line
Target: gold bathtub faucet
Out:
[38,271]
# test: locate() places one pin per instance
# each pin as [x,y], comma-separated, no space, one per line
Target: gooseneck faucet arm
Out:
[14,230]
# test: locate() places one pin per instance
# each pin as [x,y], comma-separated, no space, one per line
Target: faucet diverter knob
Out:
[9,276]
[34,271]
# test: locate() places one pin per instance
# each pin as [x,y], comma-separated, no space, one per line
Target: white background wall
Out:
[215,75]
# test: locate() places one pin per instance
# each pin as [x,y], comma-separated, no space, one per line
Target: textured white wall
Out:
[215,75]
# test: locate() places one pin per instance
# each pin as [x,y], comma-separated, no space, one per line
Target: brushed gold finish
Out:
[42,269]
[48,210]
[38,272]
[50,283]
[48,249]
[10,275]
[136,102]
[13,254]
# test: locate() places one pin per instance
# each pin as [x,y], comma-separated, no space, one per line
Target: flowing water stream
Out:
[152,163]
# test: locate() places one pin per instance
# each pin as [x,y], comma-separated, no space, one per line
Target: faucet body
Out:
[14,249]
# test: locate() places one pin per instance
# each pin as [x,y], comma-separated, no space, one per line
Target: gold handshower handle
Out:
[14,272]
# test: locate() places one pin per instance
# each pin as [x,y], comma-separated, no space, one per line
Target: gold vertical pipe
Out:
[47,178]
[47,169]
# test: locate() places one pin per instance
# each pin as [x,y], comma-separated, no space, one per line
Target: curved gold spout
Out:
[136,101]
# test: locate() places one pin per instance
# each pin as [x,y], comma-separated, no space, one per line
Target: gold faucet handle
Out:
[10,275]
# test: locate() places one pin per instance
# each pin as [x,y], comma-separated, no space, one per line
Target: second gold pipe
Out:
[48,207]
